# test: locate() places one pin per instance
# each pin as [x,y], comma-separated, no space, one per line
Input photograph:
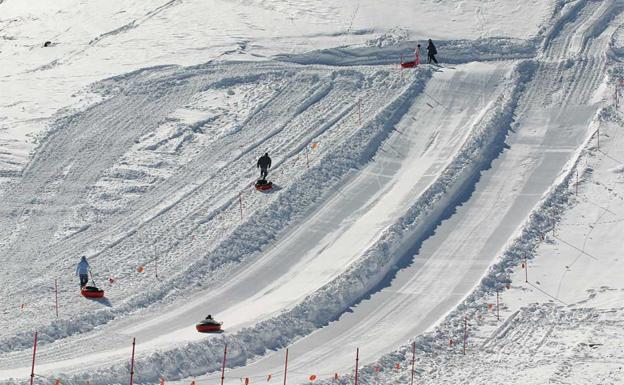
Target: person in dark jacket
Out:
[431,52]
[264,163]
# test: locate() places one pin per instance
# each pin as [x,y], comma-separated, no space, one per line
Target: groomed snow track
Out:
[372,237]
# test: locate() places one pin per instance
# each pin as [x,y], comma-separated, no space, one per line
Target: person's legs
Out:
[434,59]
[84,279]
[264,173]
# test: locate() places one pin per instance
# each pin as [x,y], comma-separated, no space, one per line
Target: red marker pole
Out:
[240,201]
[223,366]
[32,370]
[132,362]
[359,111]
[554,234]
[285,366]
[413,361]
[357,363]
[497,302]
[465,333]
[56,296]
[307,157]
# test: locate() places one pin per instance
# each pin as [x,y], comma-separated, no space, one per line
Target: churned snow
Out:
[405,201]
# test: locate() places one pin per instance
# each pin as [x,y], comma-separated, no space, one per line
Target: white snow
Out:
[403,198]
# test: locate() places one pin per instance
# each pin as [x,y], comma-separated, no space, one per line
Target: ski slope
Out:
[395,191]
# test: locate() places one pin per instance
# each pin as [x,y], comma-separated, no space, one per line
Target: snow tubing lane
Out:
[208,327]
[91,292]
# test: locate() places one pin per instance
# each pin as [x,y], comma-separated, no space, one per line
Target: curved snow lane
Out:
[121,206]
[452,261]
[345,226]
[335,234]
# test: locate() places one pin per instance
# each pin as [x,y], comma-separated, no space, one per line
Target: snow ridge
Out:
[451,51]
[326,304]
[297,198]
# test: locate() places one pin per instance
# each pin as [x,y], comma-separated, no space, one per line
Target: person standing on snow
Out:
[431,52]
[82,271]
[264,163]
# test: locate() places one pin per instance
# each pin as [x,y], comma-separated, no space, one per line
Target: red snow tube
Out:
[263,185]
[208,326]
[91,292]
[409,64]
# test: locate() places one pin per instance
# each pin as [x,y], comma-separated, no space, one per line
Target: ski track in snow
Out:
[171,178]
[189,211]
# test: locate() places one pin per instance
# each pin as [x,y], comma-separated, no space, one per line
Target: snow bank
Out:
[291,203]
[333,299]
[433,347]
[449,51]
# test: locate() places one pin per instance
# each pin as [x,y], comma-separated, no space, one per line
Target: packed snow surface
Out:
[405,202]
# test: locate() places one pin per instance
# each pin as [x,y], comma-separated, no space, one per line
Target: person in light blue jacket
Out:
[82,271]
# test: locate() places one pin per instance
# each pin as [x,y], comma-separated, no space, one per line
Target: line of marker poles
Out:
[224,362]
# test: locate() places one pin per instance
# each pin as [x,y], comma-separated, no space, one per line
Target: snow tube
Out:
[208,326]
[91,292]
[409,64]
[263,185]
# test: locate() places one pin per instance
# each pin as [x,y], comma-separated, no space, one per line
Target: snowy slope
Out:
[386,180]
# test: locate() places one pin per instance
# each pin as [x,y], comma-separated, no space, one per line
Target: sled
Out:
[263,185]
[91,292]
[209,326]
[409,64]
